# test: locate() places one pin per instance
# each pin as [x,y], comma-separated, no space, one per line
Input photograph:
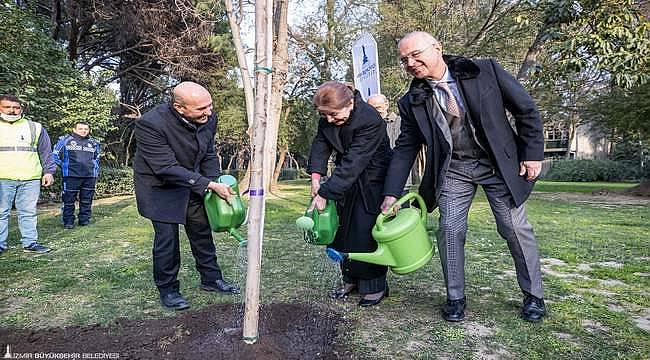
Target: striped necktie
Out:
[451,104]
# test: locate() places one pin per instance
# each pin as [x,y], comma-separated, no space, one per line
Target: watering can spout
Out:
[402,240]
[319,227]
[379,257]
[238,236]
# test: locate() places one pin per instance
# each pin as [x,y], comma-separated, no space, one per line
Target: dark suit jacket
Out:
[488,91]
[173,159]
[362,155]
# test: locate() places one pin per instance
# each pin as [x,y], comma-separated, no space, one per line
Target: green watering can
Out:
[402,240]
[319,228]
[223,216]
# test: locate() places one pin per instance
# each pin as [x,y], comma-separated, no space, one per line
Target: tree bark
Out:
[280,67]
[256,204]
[278,166]
[531,55]
[285,150]
[643,189]
[249,95]
[243,63]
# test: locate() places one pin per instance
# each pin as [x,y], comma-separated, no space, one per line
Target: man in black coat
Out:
[174,166]
[456,107]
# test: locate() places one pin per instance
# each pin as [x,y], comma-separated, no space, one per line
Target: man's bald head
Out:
[380,103]
[421,36]
[186,91]
[192,101]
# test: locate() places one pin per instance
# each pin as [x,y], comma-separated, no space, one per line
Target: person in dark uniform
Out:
[174,166]
[77,154]
[356,133]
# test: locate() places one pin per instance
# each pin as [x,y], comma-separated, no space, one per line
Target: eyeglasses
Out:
[413,55]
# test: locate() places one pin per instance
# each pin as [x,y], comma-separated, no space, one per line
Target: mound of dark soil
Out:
[286,331]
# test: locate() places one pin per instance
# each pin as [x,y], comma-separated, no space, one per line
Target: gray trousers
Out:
[456,196]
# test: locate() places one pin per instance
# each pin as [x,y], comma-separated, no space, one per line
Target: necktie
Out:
[451,105]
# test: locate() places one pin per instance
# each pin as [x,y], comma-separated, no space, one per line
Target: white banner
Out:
[365,65]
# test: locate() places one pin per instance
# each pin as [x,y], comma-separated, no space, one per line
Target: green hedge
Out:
[114,181]
[293,174]
[119,181]
[111,182]
[285,174]
[596,170]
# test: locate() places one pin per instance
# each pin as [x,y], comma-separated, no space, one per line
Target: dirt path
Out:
[599,198]
[53,206]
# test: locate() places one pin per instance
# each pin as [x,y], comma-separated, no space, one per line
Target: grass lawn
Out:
[595,262]
[581,187]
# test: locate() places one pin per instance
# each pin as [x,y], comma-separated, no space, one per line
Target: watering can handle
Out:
[402,200]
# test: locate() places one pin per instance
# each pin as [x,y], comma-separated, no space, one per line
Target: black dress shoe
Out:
[454,310]
[174,301]
[343,292]
[221,286]
[533,309]
[366,302]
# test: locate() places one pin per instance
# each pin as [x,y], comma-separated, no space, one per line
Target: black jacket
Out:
[488,91]
[173,159]
[362,155]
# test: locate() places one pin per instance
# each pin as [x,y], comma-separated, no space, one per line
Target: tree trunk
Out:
[278,166]
[643,189]
[249,95]
[572,131]
[256,204]
[243,63]
[280,67]
[293,161]
[285,150]
[531,55]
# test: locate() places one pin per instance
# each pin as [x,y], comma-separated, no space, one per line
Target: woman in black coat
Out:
[356,133]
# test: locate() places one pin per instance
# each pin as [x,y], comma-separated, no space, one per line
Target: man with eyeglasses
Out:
[457,108]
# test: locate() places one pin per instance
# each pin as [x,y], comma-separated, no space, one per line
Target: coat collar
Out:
[465,72]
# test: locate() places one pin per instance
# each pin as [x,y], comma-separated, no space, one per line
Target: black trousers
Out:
[73,188]
[166,248]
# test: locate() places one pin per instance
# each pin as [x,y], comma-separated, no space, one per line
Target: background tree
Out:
[483,28]
[141,48]
[624,114]
[38,72]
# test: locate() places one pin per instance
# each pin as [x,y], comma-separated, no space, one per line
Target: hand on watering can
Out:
[319,203]
[387,205]
[315,184]
[223,190]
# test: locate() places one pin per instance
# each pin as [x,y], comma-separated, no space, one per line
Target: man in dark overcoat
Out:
[457,108]
[174,166]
